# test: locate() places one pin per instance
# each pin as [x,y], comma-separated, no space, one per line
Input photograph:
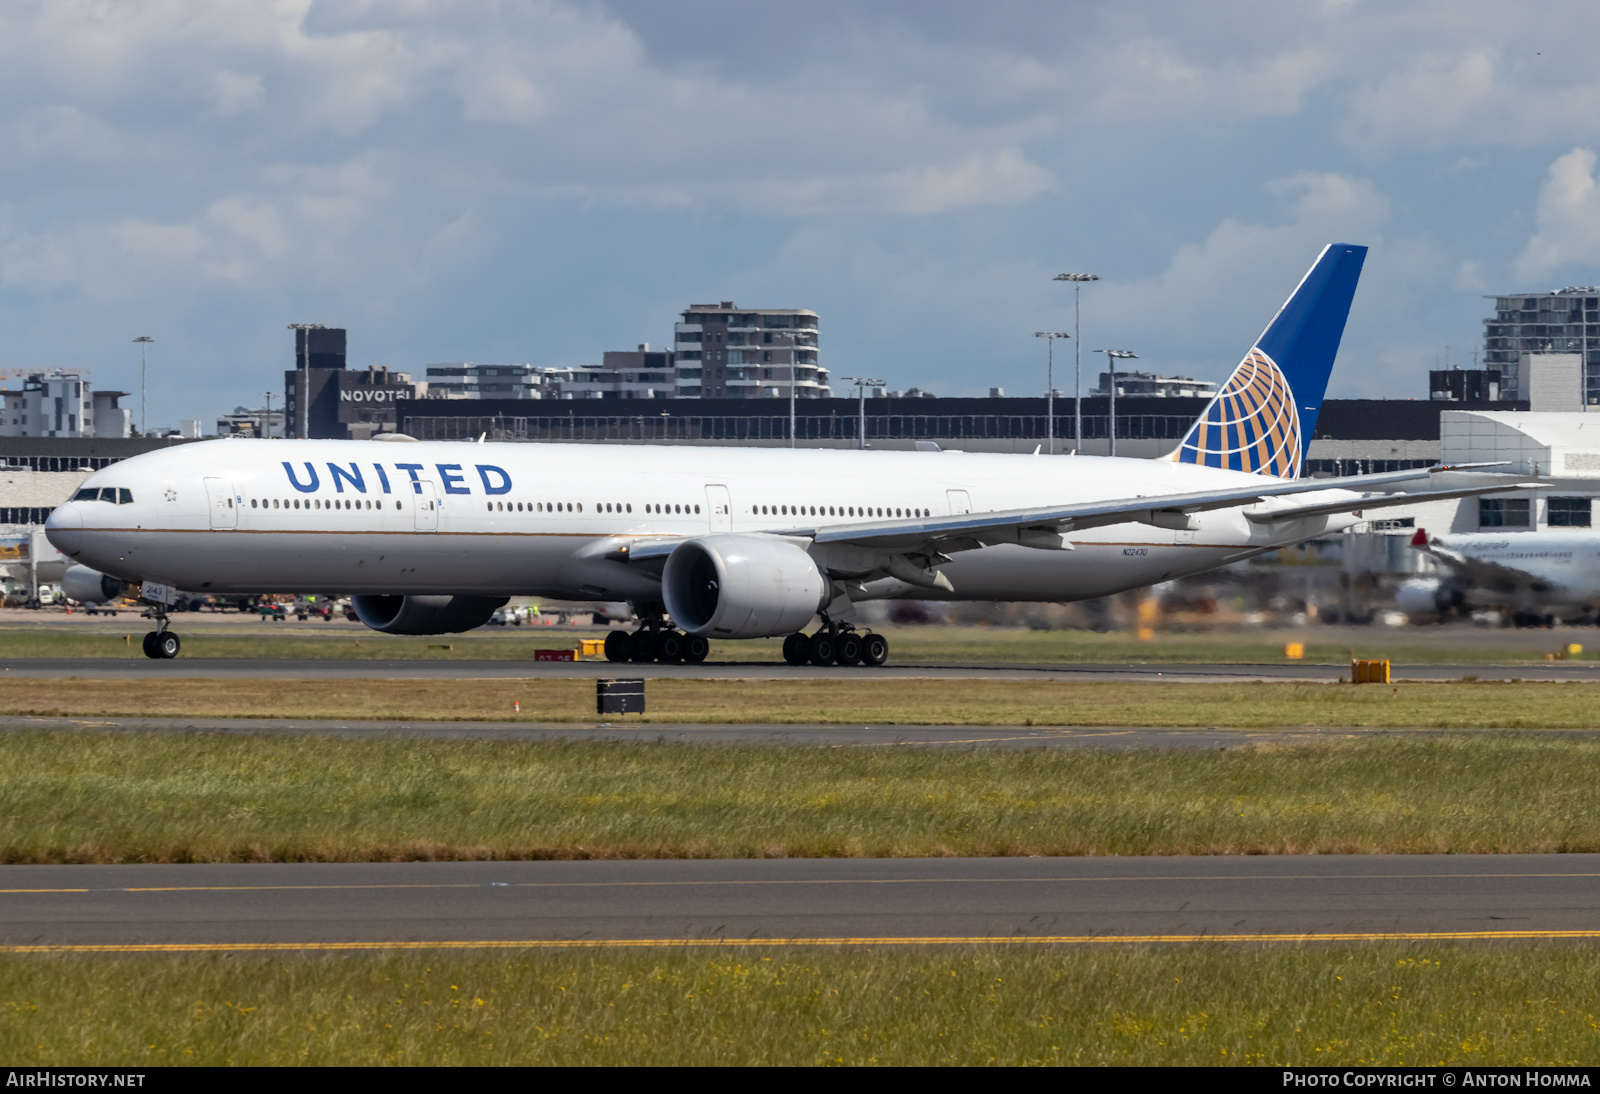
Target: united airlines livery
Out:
[432,537]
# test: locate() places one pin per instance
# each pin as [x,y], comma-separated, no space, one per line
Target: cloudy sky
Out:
[541,181]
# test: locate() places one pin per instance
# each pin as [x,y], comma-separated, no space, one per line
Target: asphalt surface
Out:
[925,736]
[1072,900]
[270,668]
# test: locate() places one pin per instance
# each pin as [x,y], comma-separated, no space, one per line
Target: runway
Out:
[763,733]
[106,668]
[821,901]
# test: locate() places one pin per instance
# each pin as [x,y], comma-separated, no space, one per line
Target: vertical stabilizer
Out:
[1264,417]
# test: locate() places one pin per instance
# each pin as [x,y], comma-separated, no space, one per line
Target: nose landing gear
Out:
[161,644]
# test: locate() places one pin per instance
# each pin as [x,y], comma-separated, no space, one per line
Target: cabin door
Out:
[222,502]
[425,505]
[720,507]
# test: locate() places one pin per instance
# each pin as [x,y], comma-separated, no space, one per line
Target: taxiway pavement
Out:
[109,668]
[1068,900]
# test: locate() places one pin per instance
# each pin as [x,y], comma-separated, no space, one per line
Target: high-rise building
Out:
[726,352]
[60,403]
[1564,321]
[340,403]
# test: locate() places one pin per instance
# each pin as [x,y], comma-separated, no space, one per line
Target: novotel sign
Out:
[373,394]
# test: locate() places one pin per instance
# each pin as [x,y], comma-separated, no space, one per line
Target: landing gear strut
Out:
[656,641]
[161,644]
[836,644]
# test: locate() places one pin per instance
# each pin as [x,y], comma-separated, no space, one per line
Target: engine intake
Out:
[733,586]
[88,586]
[425,614]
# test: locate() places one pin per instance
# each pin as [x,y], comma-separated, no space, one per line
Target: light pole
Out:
[1077,357]
[1112,357]
[861,384]
[1050,392]
[304,398]
[143,423]
[266,426]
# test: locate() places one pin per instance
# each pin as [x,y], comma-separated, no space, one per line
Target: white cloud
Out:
[1568,218]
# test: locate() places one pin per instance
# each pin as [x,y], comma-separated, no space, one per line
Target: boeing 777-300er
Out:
[432,537]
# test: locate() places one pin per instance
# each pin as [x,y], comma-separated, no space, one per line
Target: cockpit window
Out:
[92,494]
[109,493]
[124,496]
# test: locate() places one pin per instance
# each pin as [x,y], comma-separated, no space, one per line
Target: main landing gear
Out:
[836,643]
[655,641]
[161,644]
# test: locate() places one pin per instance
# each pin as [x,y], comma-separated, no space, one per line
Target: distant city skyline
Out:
[544,183]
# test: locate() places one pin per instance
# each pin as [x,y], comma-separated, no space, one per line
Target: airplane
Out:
[433,537]
[1536,574]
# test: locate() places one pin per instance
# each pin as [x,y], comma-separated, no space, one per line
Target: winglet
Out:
[1264,417]
[1420,539]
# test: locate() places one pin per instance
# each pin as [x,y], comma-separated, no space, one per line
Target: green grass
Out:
[86,796]
[909,645]
[1398,1005]
[802,700]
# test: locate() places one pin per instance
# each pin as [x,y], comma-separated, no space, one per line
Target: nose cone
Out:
[64,529]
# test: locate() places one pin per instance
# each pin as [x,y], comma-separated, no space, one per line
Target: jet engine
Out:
[734,586]
[88,586]
[425,614]
[1428,596]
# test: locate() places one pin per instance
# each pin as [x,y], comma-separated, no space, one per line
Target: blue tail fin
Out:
[1264,417]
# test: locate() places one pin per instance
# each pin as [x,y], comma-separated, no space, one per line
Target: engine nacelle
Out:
[733,586]
[1427,596]
[425,614]
[88,586]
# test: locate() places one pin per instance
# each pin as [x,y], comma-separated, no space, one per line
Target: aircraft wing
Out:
[1481,572]
[1047,527]
[1379,501]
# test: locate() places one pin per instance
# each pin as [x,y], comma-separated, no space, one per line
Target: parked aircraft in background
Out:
[1538,576]
[433,537]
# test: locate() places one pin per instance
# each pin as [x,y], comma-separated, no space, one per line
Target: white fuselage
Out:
[1559,567]
[505,519]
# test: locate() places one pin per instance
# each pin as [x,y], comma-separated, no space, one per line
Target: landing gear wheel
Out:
[669,647]
[150,650]
[794,649]
[821,648]
[874,649]
[695,648]
[642,646]
[617,646]
[849,649]
[167,645]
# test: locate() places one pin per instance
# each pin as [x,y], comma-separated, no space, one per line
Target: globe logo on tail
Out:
[1252,424]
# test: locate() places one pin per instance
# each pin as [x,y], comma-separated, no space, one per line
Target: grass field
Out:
[1206,1005]
[909,645]
[86,796]
[866,701]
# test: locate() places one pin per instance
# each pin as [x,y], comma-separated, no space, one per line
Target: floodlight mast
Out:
[1077,280]
[1112,357]
[144,430]
[1050,385]
[861,384]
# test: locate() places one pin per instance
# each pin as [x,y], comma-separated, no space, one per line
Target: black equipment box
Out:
[619,696]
